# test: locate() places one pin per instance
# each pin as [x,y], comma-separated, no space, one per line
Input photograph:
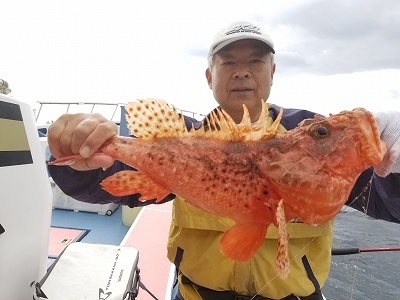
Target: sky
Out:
[330,55]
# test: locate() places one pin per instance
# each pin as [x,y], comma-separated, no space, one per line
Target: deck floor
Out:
[148,234]
[103,229]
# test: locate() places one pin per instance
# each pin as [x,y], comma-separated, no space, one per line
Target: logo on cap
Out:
[244,28]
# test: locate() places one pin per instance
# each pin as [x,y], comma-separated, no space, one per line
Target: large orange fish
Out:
[247,172]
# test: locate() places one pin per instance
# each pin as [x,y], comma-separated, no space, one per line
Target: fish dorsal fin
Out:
[151,118]
[223,127]
[265,127]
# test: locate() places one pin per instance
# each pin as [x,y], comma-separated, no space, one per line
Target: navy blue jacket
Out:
[383,193]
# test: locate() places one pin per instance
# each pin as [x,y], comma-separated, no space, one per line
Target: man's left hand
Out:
[389,128]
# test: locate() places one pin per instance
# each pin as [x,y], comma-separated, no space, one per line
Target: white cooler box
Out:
[91,271]
[62,201]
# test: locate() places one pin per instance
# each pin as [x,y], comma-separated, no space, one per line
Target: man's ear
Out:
[209,78]
[272,74]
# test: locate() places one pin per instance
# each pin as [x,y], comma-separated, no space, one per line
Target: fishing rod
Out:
[347,251]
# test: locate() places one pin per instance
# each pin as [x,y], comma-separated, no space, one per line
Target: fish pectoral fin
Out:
[282,258]
[241,241]
[130,182]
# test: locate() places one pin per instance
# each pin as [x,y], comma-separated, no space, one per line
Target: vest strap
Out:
[178,257]
[310,273]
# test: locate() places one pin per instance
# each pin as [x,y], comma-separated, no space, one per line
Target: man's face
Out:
[241,73]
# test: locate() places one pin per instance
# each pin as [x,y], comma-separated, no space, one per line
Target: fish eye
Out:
[321,131]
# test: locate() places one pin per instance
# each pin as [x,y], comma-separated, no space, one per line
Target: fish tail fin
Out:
[282,258]
[130,182]
[71,159]
[66,160]
[241,241]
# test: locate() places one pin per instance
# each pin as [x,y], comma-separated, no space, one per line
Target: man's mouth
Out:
[241,90]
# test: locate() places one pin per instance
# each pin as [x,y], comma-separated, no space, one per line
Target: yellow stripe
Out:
[13,136]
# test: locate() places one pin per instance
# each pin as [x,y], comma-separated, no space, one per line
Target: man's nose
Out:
[242,72]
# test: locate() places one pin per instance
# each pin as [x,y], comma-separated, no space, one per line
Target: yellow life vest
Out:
[193,246]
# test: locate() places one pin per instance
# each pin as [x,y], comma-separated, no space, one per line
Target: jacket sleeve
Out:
[378,197]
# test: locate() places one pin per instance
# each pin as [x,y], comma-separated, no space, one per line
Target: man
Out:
[241,70]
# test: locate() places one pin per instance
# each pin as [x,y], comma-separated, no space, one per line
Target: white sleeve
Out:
[389,128]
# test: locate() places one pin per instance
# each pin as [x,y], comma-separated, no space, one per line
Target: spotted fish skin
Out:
[247,172]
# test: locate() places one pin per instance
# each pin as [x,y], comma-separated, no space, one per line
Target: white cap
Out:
[237,31]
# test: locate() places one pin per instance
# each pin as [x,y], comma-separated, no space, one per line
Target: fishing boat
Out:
[370,273]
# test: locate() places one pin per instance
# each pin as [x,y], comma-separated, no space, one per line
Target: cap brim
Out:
[239,38]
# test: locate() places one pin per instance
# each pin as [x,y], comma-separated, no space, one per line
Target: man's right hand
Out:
[81,134]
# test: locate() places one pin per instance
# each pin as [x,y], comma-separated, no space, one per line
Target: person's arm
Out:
[84,134]
[378,197]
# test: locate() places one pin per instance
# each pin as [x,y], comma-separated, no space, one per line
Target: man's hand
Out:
[81,134]
[389,129]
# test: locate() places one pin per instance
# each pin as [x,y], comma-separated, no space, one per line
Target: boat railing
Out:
[49,111]
[192,114]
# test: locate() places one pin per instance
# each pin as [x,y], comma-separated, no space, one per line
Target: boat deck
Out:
[148,234]
[363,276]
[103,229]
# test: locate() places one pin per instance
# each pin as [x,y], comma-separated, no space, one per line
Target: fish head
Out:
[314,166]
[346,143]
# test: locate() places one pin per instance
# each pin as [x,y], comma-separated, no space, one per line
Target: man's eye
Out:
[226,63]
[256,61]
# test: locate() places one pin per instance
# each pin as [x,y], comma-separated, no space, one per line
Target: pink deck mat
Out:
[149,235]
[61,237]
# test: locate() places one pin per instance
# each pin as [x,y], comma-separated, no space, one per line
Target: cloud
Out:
[394,94]
[338,37]
[200,52]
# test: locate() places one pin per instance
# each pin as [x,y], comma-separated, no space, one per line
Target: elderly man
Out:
[240,71]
